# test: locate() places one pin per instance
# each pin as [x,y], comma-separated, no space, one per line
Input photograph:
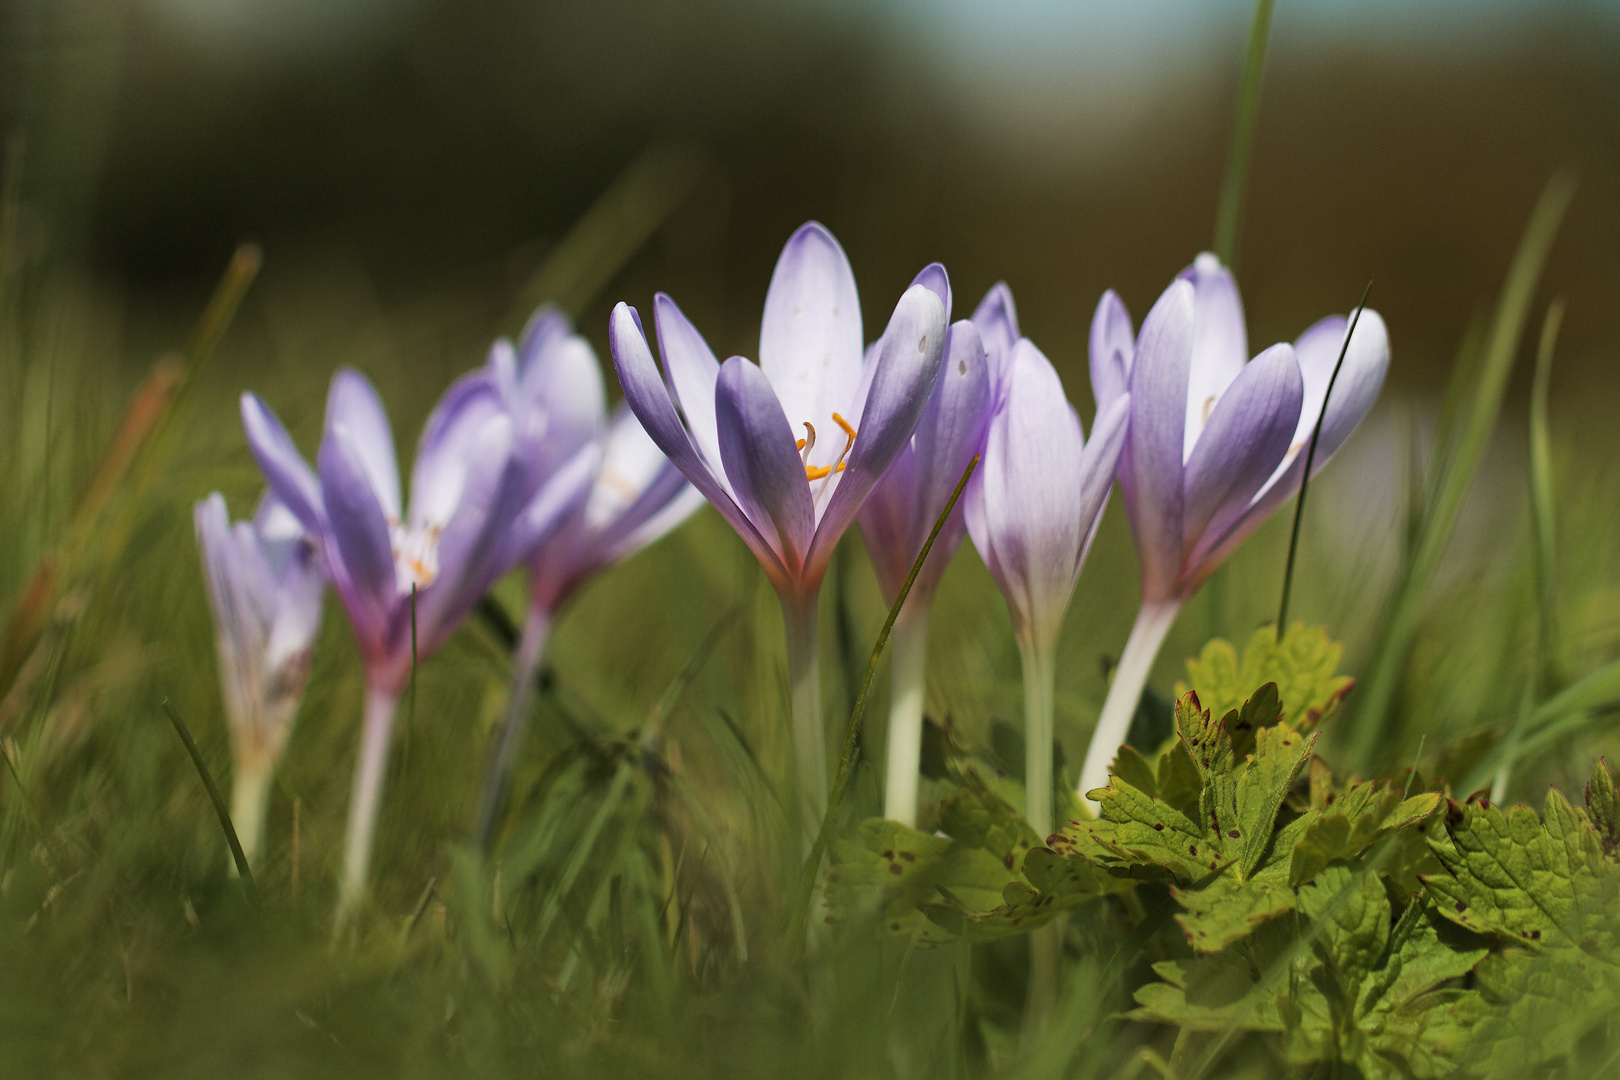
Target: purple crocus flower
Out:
[789,497]
[475,512]
[1217,442]
[1033,508]
[552,383]
[264,585]
[900,513]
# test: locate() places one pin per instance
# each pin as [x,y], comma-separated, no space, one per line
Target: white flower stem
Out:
[908,672]
[1153,622]
[1046,942]
[250,795]
[364,801]
[809,730]
[509,738]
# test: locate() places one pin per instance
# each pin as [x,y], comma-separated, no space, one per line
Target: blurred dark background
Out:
[423,154]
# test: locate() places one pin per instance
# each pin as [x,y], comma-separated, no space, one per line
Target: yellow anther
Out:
[799,445]
[1209,403]
[816,472]
[841,422]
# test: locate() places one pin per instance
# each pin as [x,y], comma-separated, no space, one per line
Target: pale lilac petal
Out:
[363,559]
[1365,364]
[472,402]
[692,371]
[548,325]
[648,398]
[1151,469]
[810,344]
[472,552]
[1031,498]
[885,521]
[1247,435]
[1220,341]
[563,403]
[951,430]
[996,319]
[501,366]
[353,403]
[549,508]
[284,468]
[903,378]
[1113,344]
[1098,464]
[933,278]
[756,447]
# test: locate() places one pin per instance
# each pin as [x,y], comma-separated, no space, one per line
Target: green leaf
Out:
[1603,806]
[1302,664]
[888,869]
[1548,890]
[1052,885]
[1228,909]
[1353,821]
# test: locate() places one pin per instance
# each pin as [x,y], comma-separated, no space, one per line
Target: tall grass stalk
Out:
[1544,536]
[1371,730]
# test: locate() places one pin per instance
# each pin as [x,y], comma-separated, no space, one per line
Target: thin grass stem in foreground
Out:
[1229,213]
[242,868]
[799,912]
[1310,461]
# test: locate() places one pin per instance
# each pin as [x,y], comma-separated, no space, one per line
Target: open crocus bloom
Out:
[788,450]
[1217,442]
[264,585]
[472,518]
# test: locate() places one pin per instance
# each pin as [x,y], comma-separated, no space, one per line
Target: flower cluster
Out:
[521,465]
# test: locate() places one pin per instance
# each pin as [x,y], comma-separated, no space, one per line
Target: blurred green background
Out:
[410,171]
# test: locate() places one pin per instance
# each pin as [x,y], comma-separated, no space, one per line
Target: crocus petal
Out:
[885,521]
[548,325]
[933,278]
[692,371]
[561,397]
[284,468]
[1220,341]
[1031,502]
[472,402]
[229,576]
[1098,465]
[1247,435]
[1365,364]
[902,380]
[1151,469]
[501,367]
[810,336]
[1113,344]
[471,553]
[951,430]
[996,319]
[359,532]
[549,507]
[756,447]
[353,403]
[648,398]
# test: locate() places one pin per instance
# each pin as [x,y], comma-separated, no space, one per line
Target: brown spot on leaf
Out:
[1192,849]
[908,856]
[1461,906]
[1233,833]
[894,868]
[1158,826]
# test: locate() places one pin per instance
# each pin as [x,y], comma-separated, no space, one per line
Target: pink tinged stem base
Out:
[1153,622]
[809,730]
[250,796]
[364,802]
[908,674]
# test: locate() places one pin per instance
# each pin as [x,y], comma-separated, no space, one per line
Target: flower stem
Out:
[809,733]
[250,795]
[509,738]
[909,666]
[1045,944]
[1152,623]
[364,801]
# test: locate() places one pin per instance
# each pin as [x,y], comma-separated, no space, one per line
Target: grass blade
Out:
[214,797]
[799,912]
[1370,729]
[1229,214]
[1310,461]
